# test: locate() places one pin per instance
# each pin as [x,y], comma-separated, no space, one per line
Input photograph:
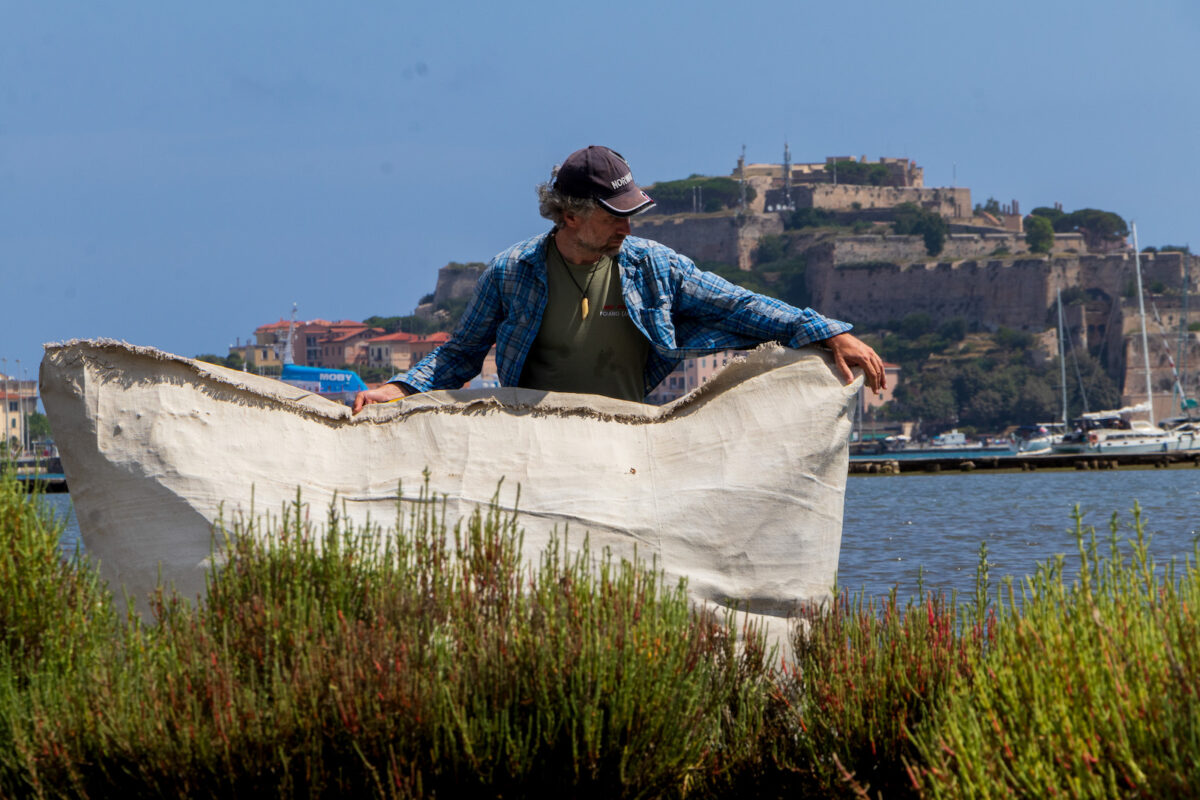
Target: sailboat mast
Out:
[1062,359]
[289,355]
[1137,260]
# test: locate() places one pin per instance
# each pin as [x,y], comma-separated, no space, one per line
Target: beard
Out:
[605,247]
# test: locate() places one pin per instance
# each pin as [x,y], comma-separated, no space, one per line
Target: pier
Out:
[883,465]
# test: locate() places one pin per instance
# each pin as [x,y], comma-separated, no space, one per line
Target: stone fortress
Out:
[985,273]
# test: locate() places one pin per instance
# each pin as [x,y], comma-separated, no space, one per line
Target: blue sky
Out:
[177,174]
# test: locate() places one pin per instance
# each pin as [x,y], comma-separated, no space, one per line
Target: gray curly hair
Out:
[552,204]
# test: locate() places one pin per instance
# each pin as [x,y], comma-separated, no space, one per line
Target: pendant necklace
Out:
[583,290]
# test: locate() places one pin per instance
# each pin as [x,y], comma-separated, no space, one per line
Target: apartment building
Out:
[315,343]
[689,374]
[18,399]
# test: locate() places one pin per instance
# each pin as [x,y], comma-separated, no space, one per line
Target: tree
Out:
[770,248]
[911,219]
[1009,339]
[1051,215]
[233,360]
[716,194]
[916,324]
[38,426]
[1098,228]
[1095,222]
[808,218]
[1039,234]
[1036,401]
[858,173]
[953,329]
[992,206]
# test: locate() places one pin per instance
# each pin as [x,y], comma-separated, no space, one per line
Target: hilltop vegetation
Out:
[713,194]
[980,380]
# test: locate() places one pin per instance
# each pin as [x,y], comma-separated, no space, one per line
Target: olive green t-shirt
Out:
[602,354]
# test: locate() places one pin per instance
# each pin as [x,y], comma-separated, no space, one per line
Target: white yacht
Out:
[1111,433]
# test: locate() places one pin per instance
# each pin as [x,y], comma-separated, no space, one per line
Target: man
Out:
[589,308]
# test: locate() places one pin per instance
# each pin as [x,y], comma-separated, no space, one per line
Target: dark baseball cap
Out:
[604,176]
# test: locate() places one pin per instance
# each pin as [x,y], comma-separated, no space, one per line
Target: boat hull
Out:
[738,486]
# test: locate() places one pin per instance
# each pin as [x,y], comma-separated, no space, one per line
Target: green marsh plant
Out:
[433,659]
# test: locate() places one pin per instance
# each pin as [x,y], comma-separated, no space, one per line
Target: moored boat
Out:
[1112,433]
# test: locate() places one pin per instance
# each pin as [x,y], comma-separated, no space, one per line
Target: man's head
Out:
[592,178]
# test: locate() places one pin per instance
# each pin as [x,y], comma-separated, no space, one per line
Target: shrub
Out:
[346,663]
[1039,234]
[1088,688]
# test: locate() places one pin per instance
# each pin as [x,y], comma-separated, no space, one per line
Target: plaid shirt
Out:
[683,311]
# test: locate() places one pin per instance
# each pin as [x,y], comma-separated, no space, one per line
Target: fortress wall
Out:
[701,238]
[949,202]
[993,293]
[456,283]
[1115,273]
[722,238]
[888,247]
[1163,347]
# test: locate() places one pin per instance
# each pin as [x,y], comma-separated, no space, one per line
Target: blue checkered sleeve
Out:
[461,358]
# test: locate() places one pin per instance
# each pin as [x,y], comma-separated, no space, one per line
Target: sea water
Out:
[899,529]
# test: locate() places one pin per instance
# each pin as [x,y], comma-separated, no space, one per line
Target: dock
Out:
[883,465]
[48,483]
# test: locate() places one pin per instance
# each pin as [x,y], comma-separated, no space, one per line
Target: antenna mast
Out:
[742,179]
[787,177]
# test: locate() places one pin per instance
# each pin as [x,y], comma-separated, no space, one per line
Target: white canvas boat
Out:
[739,485]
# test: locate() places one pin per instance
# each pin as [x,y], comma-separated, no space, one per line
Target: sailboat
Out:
[1113,432]
[1040,438]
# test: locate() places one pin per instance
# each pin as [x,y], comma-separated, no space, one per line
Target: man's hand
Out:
[850,351]
[384,394]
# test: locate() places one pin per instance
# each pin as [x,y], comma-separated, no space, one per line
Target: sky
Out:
[176,175]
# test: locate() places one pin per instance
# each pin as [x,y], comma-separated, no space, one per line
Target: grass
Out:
[435,659]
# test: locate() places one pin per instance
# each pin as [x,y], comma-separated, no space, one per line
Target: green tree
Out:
[1009,339]
[1094,222]
[1051,215]
[929,399]
[916,324]
[992,206]
[233,360]
[1098,388]
[858,173]
[982,408]
[770,248]
[1036,401]
[677,197]
[953,329]
[808,218]
[911,219]
[1039,234]
[38,426]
